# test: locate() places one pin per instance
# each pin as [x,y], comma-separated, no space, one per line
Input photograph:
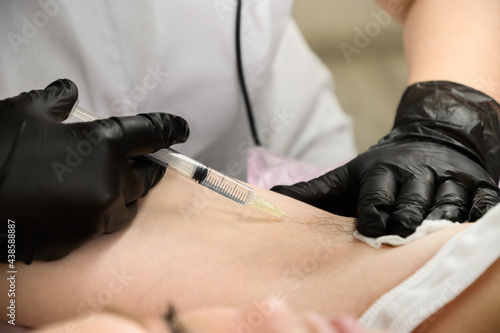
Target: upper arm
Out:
[454,41]
[397,8]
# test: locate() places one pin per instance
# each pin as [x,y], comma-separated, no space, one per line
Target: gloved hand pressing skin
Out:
[440,161]
[63,184]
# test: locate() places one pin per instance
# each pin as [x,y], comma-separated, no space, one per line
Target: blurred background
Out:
[369,73]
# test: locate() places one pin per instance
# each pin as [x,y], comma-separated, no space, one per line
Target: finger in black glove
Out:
[64,184]
[440,161]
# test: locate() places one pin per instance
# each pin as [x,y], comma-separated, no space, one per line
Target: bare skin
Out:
[451,40]
[219,255]
[213,320]
[198,250]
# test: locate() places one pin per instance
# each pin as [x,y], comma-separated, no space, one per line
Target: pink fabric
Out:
[266,169]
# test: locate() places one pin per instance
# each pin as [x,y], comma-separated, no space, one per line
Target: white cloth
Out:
[455,267]
[130,57]
[426,228]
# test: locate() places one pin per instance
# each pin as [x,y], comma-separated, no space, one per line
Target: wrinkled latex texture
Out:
[64,184]
[441,160]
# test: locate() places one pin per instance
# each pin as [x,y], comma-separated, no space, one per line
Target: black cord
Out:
[241,76]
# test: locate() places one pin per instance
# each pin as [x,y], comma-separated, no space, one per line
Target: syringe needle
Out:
[196,171]
[294,219]
[268,207]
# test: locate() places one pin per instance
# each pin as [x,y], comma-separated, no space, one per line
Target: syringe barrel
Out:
[172,159]
[182,164]
[228,187]
[211,179]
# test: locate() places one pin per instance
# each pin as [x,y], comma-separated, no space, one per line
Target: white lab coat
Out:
[131,57]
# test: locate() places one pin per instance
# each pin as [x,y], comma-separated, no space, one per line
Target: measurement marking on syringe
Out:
[192,169]
[223,187]
[233,190]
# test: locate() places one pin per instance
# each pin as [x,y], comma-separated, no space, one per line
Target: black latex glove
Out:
[440,161]
[63,184]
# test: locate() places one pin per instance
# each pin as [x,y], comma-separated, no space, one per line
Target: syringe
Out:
[200,173]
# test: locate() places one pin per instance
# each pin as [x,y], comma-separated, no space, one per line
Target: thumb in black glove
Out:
[63,184]
[440,161]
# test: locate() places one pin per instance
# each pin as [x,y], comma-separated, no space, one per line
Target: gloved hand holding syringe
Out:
[200,173]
